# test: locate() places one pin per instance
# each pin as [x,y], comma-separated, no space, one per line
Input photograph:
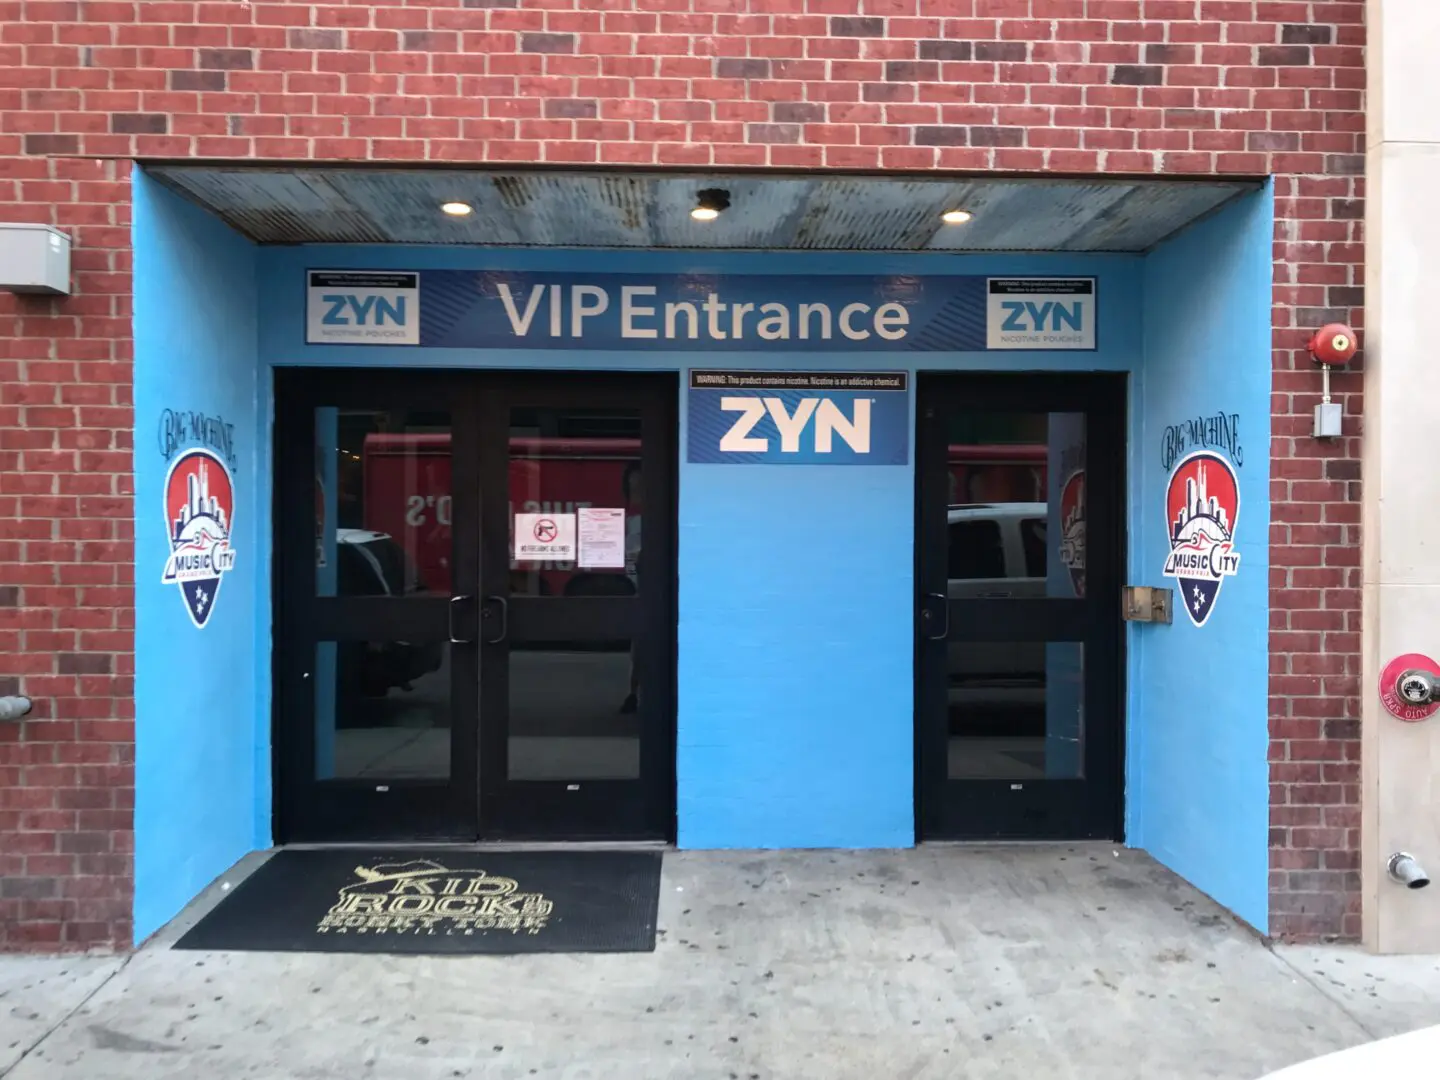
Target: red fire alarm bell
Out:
[1332,345]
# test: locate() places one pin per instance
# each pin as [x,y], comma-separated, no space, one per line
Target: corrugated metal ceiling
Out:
[828,213]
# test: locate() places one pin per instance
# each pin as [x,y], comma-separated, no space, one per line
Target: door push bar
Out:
[504,608]
[457,602]
[927,616]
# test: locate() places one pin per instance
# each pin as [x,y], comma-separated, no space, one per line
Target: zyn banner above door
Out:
[799,418]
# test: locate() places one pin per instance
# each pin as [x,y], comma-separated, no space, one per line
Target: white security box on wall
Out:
[34,259]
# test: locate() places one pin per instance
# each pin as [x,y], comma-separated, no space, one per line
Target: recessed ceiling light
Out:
[456,209]
[956,217]
[709,203]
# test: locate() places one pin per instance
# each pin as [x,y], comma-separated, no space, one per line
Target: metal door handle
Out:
[504,618]
[455,638]
[945,607]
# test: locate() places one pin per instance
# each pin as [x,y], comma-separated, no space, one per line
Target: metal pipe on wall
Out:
[13,708]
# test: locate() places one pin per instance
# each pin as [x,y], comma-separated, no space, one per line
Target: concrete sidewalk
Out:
[941,962]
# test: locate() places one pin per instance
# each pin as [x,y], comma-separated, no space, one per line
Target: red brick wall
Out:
[67,613]
[1077,86]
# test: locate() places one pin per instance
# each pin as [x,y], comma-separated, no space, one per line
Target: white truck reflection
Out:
[996,551]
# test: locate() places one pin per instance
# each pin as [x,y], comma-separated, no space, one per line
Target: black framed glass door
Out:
[435,677]
[577,655]
[376,505]
[1019,710]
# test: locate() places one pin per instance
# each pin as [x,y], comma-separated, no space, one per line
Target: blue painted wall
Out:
[202,770]
[795,721]
[1199,781]
[795,711]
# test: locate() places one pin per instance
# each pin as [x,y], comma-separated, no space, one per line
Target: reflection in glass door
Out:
[1019,627]
[377,500]
[577,667]
[574,704]
[382,708]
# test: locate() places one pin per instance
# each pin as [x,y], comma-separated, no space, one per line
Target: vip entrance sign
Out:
[799,417]
[705,312]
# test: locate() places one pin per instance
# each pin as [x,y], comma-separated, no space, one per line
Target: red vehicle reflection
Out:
[997,474]
[406,482]
[407,491]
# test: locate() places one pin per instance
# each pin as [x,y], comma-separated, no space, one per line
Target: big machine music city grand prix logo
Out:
[199,514]
[1202,510]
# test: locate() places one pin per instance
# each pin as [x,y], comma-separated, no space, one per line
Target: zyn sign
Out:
[798,418]
[362,307]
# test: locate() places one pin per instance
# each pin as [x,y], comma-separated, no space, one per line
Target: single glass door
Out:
[1019,542]
[578,606]
[376,659]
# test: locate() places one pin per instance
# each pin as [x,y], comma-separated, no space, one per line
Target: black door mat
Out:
[427,901]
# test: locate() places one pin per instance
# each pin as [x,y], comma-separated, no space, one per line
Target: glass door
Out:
[578,606]
[1019,543]
[376,612]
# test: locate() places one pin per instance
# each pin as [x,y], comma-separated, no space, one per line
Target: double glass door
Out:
[1019,667]
[474,605]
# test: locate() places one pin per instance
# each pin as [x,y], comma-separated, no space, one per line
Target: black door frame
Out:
[476,802]
[1002,809]
[357,808]
[590,809]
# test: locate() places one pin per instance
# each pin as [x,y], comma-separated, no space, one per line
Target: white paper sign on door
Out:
[602,537]
[544,537]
